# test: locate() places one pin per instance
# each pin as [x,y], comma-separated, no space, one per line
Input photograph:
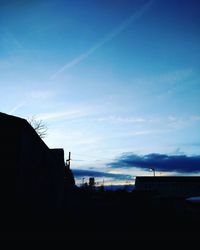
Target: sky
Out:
[117,82]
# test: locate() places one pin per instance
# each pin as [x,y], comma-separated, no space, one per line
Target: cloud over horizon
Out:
[78,173]
[160,162]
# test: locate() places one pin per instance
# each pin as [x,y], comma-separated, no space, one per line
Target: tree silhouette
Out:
[39,126]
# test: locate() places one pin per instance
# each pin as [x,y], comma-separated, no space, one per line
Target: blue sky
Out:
[107,77]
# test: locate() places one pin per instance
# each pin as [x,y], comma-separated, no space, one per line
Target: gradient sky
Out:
[108,77]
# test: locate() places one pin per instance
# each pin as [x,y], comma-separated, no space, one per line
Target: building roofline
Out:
[7,116]
[168,178]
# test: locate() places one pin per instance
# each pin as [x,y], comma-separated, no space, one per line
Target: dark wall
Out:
[41,172]
[9,158]
[32,175]
[178,186]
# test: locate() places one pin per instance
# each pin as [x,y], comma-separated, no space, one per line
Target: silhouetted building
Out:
[179,186]
[92,183]
[32,175]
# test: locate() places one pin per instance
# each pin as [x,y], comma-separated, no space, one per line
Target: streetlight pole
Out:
[153,170]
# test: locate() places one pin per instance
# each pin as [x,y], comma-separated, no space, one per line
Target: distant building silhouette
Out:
[92,183]
[32,175]
[179,186]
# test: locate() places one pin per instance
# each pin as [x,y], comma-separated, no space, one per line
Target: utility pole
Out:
[68,161]
[67,165]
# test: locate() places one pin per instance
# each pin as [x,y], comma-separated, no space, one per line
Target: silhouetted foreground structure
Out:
[175,186]
[37,194]
[32,175]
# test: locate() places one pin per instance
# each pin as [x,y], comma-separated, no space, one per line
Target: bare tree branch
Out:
[39,126]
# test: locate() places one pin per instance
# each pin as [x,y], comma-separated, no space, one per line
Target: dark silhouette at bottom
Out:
[38,195]
[99,214]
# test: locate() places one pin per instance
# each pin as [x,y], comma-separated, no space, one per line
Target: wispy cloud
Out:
[167,123]
[64,114]
[187,144]
[14,109]
[141,133]
[40,94]
[120,119]
[195,118]
[73,139]
[11,40]
[175,76]
[36,95]
[115,32]
[167,79]
[144,132]
[175,122]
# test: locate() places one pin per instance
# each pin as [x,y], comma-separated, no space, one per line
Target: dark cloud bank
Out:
[160,162]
